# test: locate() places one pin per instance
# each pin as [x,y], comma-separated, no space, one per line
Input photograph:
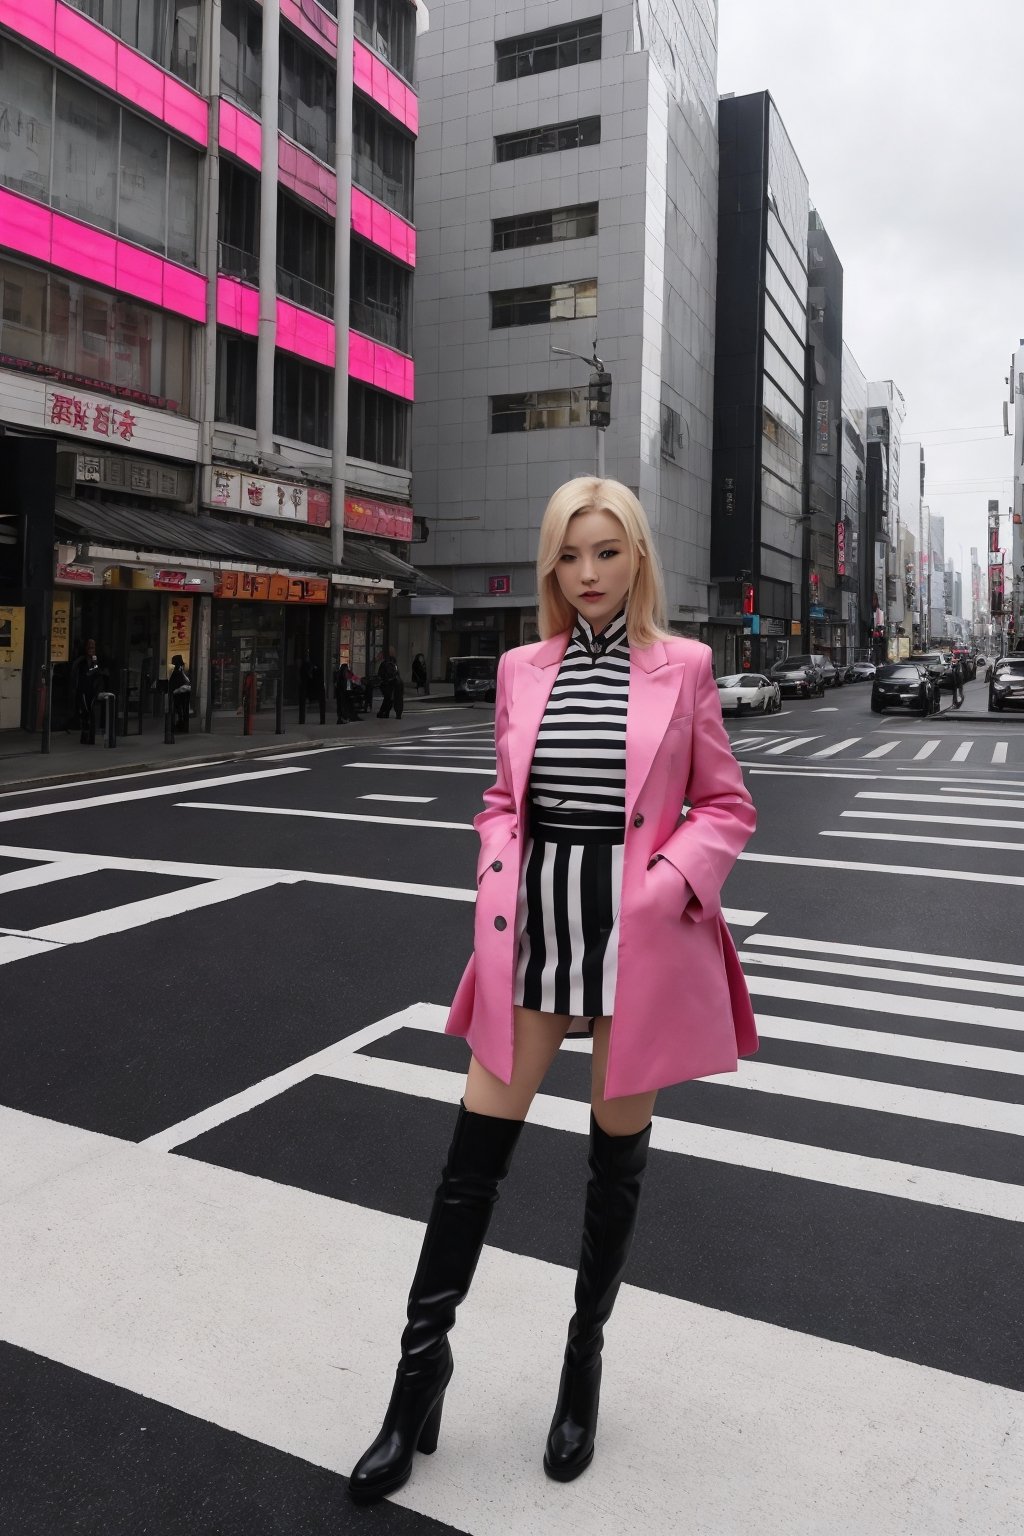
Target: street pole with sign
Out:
[599,397]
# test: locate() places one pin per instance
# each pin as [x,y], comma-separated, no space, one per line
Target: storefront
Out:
[359,626]
[267,623]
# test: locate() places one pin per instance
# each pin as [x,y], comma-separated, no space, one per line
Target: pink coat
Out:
[681,1005]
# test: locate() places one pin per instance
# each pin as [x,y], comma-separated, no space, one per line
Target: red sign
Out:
[841,548]
[499,586]
[275,587]
[385,519]
[318,507]
[170,581]
[78,573]
[88,416]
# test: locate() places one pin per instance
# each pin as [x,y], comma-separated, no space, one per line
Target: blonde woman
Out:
[598,912]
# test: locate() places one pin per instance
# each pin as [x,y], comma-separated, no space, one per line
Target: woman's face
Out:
[593,566]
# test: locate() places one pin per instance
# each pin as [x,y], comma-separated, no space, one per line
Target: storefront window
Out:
[85,154]
[94,335]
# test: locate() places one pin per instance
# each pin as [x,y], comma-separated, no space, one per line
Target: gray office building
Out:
[566,186]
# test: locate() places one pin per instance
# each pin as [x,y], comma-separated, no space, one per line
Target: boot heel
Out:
[427,1442]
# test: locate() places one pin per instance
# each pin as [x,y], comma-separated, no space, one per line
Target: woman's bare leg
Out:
[616,1117]
[538,1037]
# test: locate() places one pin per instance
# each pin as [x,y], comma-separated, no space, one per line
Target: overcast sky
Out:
[905,115]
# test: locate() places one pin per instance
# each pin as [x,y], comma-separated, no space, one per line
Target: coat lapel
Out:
[653,691]
[532,682]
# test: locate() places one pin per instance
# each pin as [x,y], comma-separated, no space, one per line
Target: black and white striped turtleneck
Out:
[578,777]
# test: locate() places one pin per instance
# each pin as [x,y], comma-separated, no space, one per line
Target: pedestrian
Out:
[343,694]
[392,687]
[419,673]
[87,679]
[598,913]
[180,687]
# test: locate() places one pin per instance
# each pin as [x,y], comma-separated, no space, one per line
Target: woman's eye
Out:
[567,557]
[608,554]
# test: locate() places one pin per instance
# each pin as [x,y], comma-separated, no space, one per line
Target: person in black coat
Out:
[179,685]
[343,694]
[419,673]
[87,681]
[391,686]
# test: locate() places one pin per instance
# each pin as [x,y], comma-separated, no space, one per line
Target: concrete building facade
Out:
[566,198]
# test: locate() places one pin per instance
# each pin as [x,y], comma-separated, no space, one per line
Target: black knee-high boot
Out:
[617,1165]
[478,1159]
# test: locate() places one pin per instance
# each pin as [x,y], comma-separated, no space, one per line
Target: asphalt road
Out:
[226,1098]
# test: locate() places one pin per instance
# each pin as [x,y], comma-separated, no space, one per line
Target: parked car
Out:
[744,692]
[862,671]
[1006,684]
[830,673]
[985,666]
[798,676]
[474,677]
[904,685]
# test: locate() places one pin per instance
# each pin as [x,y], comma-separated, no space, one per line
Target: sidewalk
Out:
[22,763]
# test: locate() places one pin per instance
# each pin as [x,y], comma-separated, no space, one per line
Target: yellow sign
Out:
[179,630]
[60,628]
[12,637]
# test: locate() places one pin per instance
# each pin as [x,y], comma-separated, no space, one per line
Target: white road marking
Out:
[789,746]
[840,746]
[895,1004]
[926,750]
[487,773]
[176,1266]
[985,968]
[963,752]
[739,1148]
[826,709]
[964,875]
[284,757]
[92,802]
[111,778]
[28,879]
[979,1058]
[999,752]
[809,773]
[136,914]
[831,967]
[19,947]
[888,746]
[403,799]
[277,810]
[888,794]
[918,838]
[923,816]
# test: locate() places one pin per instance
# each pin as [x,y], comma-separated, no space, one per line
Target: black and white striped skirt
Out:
[567,924]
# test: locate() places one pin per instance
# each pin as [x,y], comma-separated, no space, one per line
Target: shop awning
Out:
[179,535]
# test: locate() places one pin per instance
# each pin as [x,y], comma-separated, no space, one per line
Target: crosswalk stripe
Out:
[979,1058]
[486,773]
[923,816]
[919,837]
[840,746]
[931,979]
[895,1004]
[920,799]
[28,879]
[926,750]
[856,866]
[984,968]
[999,752]
[963,752]
[742,1149]
[121,797]
[280,810]
[888,746]
[789,746]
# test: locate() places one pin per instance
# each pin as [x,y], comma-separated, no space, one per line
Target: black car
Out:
[904,685]
[945,670]
[799,677]
[1006,685]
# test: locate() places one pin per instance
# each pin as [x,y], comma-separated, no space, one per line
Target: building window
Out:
[238,222]
[307,97]
[378,426]
[379,292]
[93,337]
[241,52]
[540,409]
[111,169]
[548,140]
[305,256]
[236,379]
[389,28]
[576,42]
[540,305]
[671,432]
[166,31]
[302,401]
[544,228]
[382,158]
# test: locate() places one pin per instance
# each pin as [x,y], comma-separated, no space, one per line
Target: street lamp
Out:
[599,395]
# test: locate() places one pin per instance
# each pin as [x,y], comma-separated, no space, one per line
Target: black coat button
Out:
[500,924]
[496,865]
[638,821]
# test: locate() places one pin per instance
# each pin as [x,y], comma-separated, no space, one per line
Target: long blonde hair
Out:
[645,618]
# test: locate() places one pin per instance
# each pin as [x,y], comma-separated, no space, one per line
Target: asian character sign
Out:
[89,415]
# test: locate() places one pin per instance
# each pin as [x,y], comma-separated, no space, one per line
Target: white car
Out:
[745,692]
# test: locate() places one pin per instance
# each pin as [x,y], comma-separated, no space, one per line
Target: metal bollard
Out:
[323,706]
[168,716]
[279,723]
[109,702]
[248,702]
